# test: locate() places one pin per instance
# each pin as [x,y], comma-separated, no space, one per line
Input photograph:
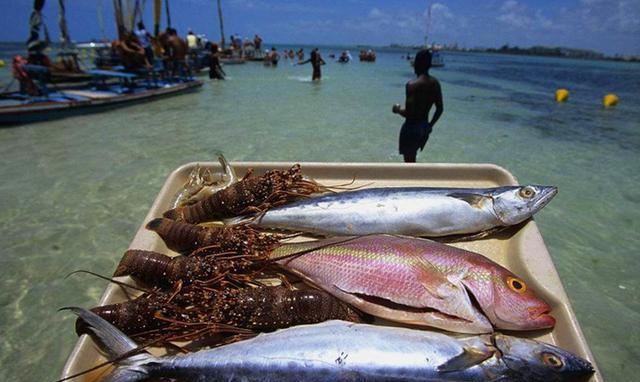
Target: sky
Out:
[608,26]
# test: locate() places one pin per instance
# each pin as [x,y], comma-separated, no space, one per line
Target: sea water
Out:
[74,191]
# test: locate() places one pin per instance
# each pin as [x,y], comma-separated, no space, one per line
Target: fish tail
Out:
[122,351]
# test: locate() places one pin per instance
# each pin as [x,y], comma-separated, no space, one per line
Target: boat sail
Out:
[436,57]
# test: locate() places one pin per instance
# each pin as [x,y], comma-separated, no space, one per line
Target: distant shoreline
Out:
[538,51]
[535,51]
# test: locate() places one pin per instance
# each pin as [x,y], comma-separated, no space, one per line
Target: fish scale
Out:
[416,281]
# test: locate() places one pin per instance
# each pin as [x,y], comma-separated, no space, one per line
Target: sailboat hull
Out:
[16,109]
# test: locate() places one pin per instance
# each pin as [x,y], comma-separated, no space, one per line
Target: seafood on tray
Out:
[250,194]
[418,281]
[193,312]
[203,183]
[162,271]
[415,211]
[345,351]
[220,291]
[186,238]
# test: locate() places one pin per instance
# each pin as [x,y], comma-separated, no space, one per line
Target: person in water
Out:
[178,54]
[316,61]
[144,38]
[257,43]
[215,70]
[273,57]
[131,52]
[421,94]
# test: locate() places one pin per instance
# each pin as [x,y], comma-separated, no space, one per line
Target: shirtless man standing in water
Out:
[316,61]
[422,93]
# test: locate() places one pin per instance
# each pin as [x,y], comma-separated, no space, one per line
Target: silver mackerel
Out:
[415,211]
[344,351]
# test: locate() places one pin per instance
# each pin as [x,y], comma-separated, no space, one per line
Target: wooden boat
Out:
[59,77]
[523,250]
[232,60]
[18,108]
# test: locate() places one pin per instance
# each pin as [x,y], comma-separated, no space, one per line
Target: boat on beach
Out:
[232,60]
[19,108]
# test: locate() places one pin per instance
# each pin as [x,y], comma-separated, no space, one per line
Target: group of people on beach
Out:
[422,93]
[138,50]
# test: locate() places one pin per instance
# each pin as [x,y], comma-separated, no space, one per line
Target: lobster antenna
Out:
[109,279]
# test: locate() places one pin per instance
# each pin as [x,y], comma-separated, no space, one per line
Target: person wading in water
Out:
[316,61]
[422,93]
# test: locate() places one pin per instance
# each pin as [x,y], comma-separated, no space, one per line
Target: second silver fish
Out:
[416,211]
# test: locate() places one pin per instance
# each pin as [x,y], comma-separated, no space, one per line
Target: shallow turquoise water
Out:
[74,191]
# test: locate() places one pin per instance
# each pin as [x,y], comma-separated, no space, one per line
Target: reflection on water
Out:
[74,191]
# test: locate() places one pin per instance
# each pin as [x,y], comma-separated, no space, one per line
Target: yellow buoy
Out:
[610,100]
[562,95]
[1,63]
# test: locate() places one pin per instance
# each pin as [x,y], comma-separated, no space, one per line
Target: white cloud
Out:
[376,13]
[601,16]
[518,16]
[440,11]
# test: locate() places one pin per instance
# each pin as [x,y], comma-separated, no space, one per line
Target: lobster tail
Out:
[181,237]
[149,267]
[133,316]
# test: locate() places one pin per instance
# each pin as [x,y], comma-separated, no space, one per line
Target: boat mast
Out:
[62,23]
[35,22]
[166,4]
[221,25]
[117,8]
[426,35]
[157,14]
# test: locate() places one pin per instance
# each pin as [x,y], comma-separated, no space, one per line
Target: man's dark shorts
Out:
[413,136]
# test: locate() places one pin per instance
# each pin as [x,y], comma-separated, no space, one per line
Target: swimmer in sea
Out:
[422,93]
[316,61]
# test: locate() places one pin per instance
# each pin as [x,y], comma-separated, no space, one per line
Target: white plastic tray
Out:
[523,252]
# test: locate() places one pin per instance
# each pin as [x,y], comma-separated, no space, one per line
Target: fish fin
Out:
[238,220]
[431,278]
[121,350]
[468,358]
[456,278]
[289,251]
[474,200]
[475,236]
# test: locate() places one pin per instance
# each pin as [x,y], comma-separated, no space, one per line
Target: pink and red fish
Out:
[418,281]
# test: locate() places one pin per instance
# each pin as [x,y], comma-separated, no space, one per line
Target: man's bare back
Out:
[421,94]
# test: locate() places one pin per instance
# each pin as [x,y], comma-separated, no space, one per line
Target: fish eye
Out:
[527,192]
[516,284]
[552,360]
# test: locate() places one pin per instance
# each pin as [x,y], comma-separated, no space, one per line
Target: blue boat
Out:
[108,89]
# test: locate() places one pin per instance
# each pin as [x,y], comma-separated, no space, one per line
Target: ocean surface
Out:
[74,191]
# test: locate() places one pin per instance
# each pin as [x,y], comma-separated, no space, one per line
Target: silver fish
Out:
[344,351]
[414,211]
